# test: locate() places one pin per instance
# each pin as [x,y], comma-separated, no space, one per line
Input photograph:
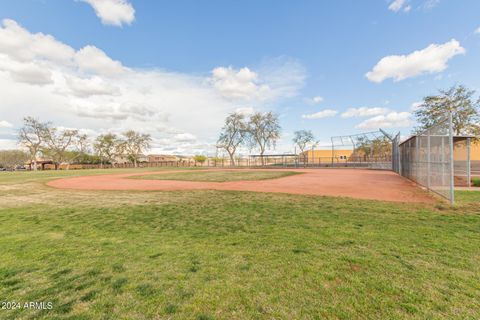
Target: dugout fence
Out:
[428,159]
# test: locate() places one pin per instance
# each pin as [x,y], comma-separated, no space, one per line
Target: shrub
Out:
[200,158]
[476,182]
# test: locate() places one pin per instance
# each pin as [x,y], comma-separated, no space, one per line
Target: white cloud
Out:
[275,79]
[397,5]
[21,45]
[477,31]
[322,114]
[363,112]
[30,73]
[432,59]
[113,12]
[50,80]
[5,124]
[90,86]
[391,120]
[92,59]
[238,84]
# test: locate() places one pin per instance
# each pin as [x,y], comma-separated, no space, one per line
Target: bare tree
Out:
[303,138]
[79,146]
[233,134]
[58,143]
[31,136]
[134,145]
[107,147]
[263,131]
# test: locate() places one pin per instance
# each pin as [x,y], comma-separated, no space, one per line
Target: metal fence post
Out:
[428,159]
[452,167]
[469,165]
[417,158]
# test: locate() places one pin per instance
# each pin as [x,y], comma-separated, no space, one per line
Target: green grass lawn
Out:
[234,255]
[466,196]
[34,176]
[217,176]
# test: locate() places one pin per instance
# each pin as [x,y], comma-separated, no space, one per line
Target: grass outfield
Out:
[233,255]
[217,176]
[466,196]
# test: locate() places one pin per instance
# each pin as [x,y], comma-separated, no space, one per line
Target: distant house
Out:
[125,159]
[161,157]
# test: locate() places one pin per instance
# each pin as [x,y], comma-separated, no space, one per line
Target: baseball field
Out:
[235,244]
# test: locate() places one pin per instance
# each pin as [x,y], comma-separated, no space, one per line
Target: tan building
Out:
[460,151]
[326,155]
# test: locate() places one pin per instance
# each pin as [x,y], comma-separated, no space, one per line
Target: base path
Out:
[354,183]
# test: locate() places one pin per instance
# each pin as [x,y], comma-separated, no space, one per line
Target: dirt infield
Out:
[354,183]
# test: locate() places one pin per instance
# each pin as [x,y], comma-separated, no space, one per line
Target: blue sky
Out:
[150,65]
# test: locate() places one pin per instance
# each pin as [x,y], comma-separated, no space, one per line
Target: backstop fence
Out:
[427,159]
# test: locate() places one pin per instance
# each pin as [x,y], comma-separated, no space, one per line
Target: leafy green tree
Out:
[460,101]
[200,159]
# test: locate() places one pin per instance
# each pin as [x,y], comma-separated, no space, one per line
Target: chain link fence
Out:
[427,159]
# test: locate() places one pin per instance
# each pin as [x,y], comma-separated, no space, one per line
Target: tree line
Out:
[41,139]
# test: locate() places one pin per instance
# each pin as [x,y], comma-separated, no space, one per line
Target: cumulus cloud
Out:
[92,59]
[113,12]
[363,112]
[391,120]
[321,114]
[278,78]
[21,45]
[477,31]
[5,124]
[432,59]
[32,74]
[238,84]
[45,78]
[90,86]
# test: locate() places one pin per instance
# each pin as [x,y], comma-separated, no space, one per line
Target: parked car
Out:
[20,168]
